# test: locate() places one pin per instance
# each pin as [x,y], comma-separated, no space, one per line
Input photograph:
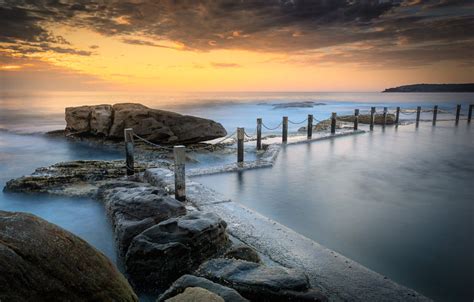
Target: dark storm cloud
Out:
[397,28]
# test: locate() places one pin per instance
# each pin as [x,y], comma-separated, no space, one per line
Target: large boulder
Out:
[187,281]
[258,282]
[135,209]
[158,126]
[40,261]
[174,247]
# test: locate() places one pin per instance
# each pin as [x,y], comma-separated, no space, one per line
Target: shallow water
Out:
[398,201]
[22,154]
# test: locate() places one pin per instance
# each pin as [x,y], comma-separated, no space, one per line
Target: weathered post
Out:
[435,114]
[128,135]
[240,144]
[384,122]
[418,113]
[259,134]
[458,113]
[397,116]
[284,136]
[372,118]
[356,119]
[310,126]
[333,122]
[179,173]
[469,114]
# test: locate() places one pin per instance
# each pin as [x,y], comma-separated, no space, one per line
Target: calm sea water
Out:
[398,201]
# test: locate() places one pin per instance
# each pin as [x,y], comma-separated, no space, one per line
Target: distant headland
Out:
[467,87]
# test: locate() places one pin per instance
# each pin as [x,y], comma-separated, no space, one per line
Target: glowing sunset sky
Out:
[151,45]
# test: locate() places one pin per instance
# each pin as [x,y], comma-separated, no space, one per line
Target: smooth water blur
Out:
[41,112]
[22,154]
[399,201]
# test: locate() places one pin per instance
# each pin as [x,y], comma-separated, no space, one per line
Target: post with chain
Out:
[418,113]
[397,116]
[356,119]
[435,114]
[372,118]
[469,114]
[129,160]
[384,122]
[259,134]
[458,113]
[240,144]
[179,172]
[333,122]
[284,135]
[310,126]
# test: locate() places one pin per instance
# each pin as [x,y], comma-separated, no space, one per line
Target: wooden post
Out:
[356,119]
[333,122]
[310,126]
[284,136]
[179,173]
[435,114]
[384,122]
[418,113]
[259,134]
[129,161]
[469,114]
[372,118]
[458,113]
[240,144]
[397,116]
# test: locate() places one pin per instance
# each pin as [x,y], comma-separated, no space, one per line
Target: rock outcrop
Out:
[190,281]
[40,261]
[158,126]
[365,119]
[74,178]
[243,252]
[258,282]
[133,210]
[164,252]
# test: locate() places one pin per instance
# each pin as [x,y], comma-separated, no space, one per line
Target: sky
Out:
[239,45]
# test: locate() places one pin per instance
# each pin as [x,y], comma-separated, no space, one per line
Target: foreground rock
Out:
[257,282]
[135,209]
[196,294]
[158,126]
[74,178]
[174,247]
[40,261]
[190,281]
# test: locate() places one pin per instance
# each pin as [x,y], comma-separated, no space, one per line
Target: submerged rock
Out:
[187,281]
[365,119]
[158,126]
[40,261]
[196,294]
[257,282]
[166,251]
[135,209]
[74,178]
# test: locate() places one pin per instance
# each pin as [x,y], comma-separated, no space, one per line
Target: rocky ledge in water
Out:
[74,178]
[40,261]
[157,126]
[325,125]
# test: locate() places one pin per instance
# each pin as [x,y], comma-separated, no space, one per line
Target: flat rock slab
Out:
[186,281]
[164,252]
[40,261]
[135,209]
[258,282]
